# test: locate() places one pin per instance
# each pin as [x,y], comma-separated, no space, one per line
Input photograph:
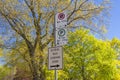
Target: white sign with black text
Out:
[55,58]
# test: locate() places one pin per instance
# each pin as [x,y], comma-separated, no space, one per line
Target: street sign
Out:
[61,20]
[55,58]
[61,36]
[61,29]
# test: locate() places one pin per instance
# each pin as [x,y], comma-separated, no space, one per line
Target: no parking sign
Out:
[61,20]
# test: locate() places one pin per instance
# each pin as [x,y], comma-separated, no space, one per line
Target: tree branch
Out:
[73,10]
[66,7]
[92,9]
[80,17]
[82,4]
[36,23]
[47,23]
[46,43]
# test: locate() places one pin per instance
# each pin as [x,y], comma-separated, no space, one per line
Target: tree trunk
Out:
[42,75]
[41,63]
[83,73]
[34,72]
[38,73]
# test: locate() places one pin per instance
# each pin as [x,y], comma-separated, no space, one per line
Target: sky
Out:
[114,25]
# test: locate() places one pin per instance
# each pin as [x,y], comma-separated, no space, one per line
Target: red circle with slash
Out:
[61,16]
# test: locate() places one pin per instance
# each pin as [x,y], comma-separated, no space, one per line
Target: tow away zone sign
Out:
[55,58]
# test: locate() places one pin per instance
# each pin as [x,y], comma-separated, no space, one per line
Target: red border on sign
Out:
[61,16]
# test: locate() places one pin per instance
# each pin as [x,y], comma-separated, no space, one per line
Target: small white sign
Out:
[61,20]
[55,58]
[61,36]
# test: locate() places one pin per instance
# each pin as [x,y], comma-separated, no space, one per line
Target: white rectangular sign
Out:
[61,36]
[55,58]
[61,20]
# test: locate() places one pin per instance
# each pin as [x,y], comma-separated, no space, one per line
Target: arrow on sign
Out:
[55,65]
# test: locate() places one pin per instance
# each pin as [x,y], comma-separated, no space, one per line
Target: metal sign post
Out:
[55,74]
[55,42]
[60,23]
[55,56]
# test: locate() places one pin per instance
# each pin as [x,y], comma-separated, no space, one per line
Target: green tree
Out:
[5,73]
[115,44]
[18,58]
[32,21]
[88,58]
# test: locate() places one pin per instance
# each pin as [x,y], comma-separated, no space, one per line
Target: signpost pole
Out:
[55,11]
[55,74]
[60,38]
